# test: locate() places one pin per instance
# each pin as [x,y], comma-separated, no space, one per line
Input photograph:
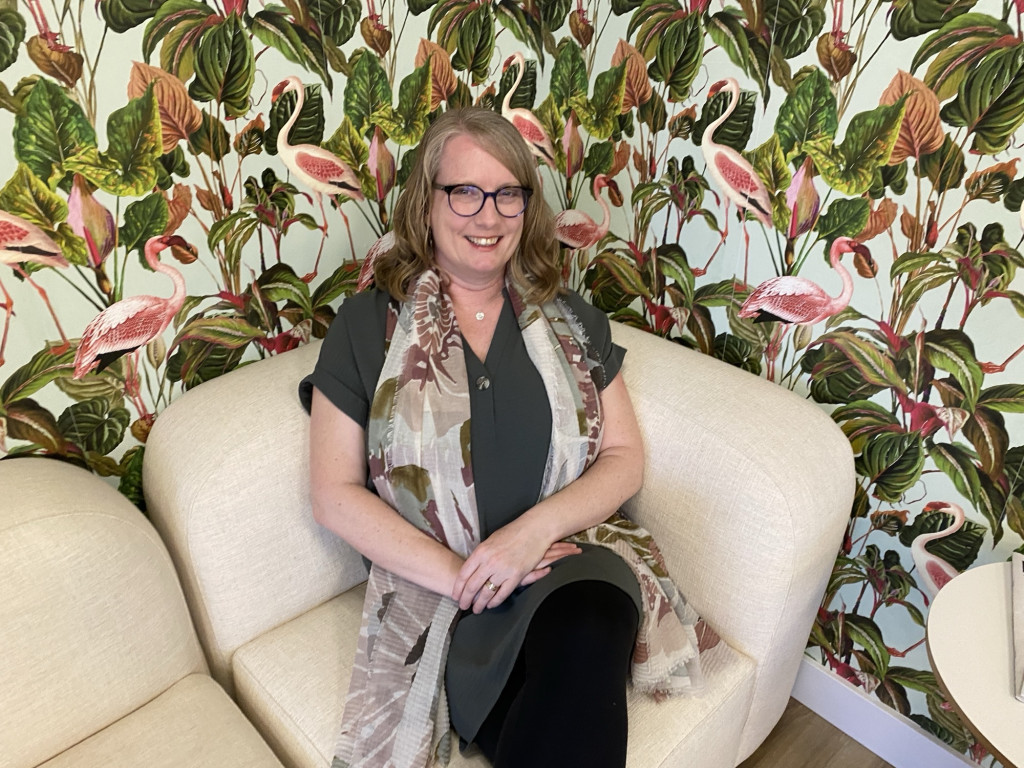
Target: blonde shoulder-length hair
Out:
[534,268]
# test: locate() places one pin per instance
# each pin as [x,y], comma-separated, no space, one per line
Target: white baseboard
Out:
[893,737]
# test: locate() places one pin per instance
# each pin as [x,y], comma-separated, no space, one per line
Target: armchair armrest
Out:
[747,490]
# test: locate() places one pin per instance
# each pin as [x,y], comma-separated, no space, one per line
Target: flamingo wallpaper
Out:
[822,192]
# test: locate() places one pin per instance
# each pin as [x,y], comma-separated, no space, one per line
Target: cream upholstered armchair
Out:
[747,490]
[100,666]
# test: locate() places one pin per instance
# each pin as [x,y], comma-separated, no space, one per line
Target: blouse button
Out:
[483,383]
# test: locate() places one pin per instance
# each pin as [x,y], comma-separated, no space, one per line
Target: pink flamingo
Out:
[128,324]
[524,120]
[791,299]
[734,174]
[383,245]
[934,572]
[314,166]
[21,242]
[576,229]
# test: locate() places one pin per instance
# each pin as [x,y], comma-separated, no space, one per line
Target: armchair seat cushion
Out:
[193,723]
[292,682]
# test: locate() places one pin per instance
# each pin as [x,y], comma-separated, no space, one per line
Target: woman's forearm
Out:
[379,533]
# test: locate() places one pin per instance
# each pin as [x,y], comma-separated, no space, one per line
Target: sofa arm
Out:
[747,489]
[226,480]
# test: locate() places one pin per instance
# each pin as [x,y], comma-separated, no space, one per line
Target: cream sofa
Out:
[747,489]
[100,666]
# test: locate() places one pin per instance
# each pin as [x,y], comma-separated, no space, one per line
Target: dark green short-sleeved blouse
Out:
[510,432]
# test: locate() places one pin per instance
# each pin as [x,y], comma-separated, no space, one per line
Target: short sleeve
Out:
[598,328]
[351,357]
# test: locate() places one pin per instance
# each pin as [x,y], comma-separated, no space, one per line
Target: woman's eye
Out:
[465,192]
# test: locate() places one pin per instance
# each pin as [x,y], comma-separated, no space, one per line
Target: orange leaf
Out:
[59,64]
[638,84]
[911,227]
[442,76]
[921,130]
[1009,168]
[879,220]
[179,115]
[178,207]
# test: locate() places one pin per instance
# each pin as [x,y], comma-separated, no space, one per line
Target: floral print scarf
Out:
[419,460]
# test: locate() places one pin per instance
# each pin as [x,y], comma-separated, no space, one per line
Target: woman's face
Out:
[472,250]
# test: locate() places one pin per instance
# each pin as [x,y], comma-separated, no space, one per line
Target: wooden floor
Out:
[802,739]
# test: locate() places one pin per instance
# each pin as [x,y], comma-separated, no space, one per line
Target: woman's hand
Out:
[506,560]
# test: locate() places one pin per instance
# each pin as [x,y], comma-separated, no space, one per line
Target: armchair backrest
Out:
[94,624]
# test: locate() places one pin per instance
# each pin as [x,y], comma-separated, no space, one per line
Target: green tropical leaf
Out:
[224,67]
[678,57]
[957,47]
[107,384]
[295,43]
[309,126]
[348,145]
[553,13]
[734,132]
[130,166]
[523,96]
[873,363]
[280,283]
[26,196]
[865,633]
[770,165]
[953,351]
[407,123]
[960,549]
[986,431]
[342,282]
[144,219]
[12,35]
[366,92]
[990,101]
[893,461]
[944,168]
[1008,398]
[649,23]
[93,425]
[794,24]
[523,21]
[568,75]
[911,18]
[915,679]
[809,112]
[227,332]
[957,463]
[845,217]
[50,129]
[726,28]
[861,419]
[475,44]
[211,138]
[180,24]
[850,167]
[337,19]
[42,369]
[625,273]
[197,361]
[28,420]
[599,115]
[122,15]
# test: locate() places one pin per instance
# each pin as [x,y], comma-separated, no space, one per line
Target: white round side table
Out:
[970,644]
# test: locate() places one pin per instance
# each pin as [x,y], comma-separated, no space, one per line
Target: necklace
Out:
[479,315]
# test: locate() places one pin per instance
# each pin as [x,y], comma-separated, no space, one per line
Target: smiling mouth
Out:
[485,241]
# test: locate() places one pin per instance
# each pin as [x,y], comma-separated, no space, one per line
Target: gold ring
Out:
[491,585]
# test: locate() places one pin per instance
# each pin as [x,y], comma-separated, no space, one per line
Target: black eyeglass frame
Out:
[449,188]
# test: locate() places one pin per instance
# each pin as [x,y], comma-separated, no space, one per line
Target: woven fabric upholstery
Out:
[747,490]
[292,681]
[94,623]
[194,724]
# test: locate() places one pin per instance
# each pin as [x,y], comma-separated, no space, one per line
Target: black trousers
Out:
[565,702]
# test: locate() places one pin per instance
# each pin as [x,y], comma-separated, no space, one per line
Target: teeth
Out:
[483,240]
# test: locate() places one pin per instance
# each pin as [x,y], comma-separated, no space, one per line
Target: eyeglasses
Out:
[468,200]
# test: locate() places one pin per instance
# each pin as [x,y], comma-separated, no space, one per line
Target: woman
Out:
[468,524]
